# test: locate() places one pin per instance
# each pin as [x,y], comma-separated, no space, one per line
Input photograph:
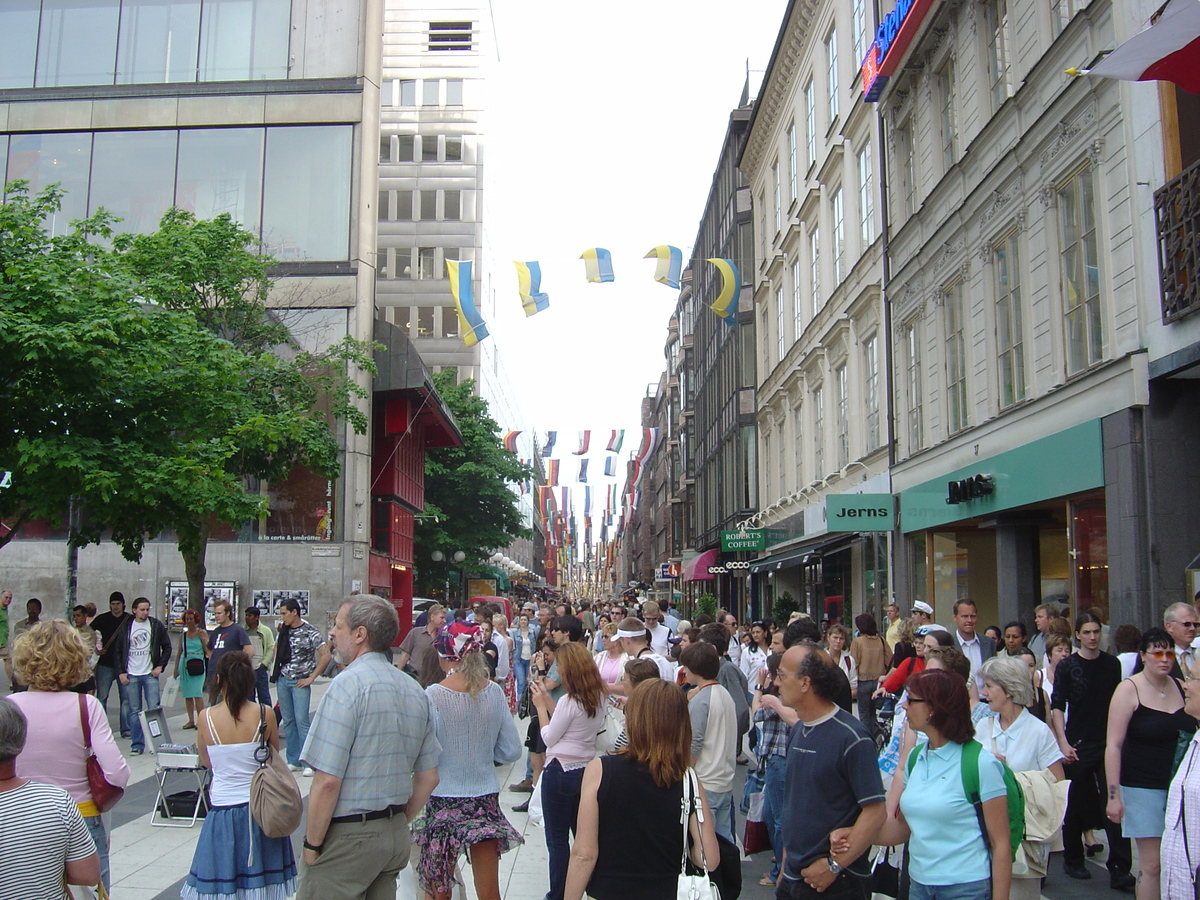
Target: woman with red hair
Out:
[949,846]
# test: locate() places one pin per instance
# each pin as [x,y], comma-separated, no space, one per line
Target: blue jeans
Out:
[100,838]
[866,706]
[521,669]
[105,676]
[262,685]
[140,687]
[560,806]
[971,890]
[293,703]
[721,806]
[773,783]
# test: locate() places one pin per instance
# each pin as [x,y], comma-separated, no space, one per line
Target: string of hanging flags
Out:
[598,269]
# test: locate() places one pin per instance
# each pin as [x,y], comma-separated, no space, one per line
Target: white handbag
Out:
[693,887]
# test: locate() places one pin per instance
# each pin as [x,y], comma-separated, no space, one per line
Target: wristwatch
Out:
[833,866]
[315,848]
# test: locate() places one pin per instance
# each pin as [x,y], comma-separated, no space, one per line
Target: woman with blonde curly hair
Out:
[52,658]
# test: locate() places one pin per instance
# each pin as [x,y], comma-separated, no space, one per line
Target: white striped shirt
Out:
[41,830]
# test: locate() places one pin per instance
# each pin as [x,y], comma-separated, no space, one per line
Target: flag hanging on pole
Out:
[670,264]
[551,437]
[1169,50]
[615,442]
[470,323]
[529,285]
[552,473]
[585,438]
[610,466]
[726,303]
[510,441]
[597,263]
[583,471]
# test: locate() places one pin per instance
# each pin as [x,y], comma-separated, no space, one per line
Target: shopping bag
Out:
[535,805]
[754,785]
[170,693]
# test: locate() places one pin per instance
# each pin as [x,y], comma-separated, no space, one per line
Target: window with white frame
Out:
[793,163]
[871,391]
[913,387]
[810,123]
[777,188]
[818,411]
[904,162]
[948,124]
[956,362]
[858,16]
[779,337]
[838,210]
[999,57]
[1062,12]
[814,270]
[797,303]
[1078,254]
[831,59]
[866,196]
[843,416]
[1010,348]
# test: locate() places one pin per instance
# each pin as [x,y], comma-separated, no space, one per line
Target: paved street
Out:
[150,863]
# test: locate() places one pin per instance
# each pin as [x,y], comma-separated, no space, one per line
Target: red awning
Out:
[697,569]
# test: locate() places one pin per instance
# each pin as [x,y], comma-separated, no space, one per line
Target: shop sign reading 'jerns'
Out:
[860,512]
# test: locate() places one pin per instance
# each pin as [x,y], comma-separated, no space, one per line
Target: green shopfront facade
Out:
[1011,531]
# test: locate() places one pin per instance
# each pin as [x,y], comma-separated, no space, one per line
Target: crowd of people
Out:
[994,749]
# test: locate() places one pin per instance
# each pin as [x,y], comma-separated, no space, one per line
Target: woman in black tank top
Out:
[634,800]
[1145,723]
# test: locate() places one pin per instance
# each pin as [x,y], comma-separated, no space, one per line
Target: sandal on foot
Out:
[190,725]
[767,881]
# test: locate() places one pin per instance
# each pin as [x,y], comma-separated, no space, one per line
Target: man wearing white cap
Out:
[922,614]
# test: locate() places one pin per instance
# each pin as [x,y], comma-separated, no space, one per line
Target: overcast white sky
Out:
[604,126]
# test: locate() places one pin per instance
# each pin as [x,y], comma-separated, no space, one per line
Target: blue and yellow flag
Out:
[462,289]
[529,283]
[670,264]
[598,263]
[726,303]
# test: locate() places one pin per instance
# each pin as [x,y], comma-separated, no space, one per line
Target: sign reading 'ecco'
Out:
[860,512]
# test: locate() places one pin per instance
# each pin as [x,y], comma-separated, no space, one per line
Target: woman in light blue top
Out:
[473,726]
[524,638]
[952,858]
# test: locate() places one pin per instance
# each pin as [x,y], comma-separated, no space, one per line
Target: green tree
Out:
[468,489]
[282,416]
[95,382]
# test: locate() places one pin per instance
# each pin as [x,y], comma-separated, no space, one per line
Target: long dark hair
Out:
[233,681]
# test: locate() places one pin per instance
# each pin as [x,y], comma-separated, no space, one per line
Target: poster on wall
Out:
[268,601]
[177,600]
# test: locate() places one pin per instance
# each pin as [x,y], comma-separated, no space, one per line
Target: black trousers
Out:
[1086,801]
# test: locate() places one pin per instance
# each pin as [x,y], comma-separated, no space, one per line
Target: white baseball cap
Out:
[922,606]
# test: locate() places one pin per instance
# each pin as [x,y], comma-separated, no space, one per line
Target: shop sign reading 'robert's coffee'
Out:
[860,512]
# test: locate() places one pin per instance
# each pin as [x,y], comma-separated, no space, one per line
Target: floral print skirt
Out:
[449,828]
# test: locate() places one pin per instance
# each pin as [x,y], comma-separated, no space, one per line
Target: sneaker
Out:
[522,787]
[137,752]
[294,768]
[308,772]
[521,807]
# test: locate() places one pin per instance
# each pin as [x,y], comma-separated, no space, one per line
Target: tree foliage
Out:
[468,489]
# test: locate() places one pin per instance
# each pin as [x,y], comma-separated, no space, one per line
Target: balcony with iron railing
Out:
[1177,220]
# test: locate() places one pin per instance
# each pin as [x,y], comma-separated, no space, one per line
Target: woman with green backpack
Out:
[959,849]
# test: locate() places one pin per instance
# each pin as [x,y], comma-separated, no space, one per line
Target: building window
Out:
[428,206]
[947,123]
[431,92]
[871,391]
[453,149]
[818,410]
[77,42]
[858,15]
[831,59]
[843,418]
[1010,347]
[779,323]
[866,196]
[427,264]
[429,144]
[839,234]
[999,52]
[1062,11]
[793,163]
[452,206]
[450,35]
[1080,271]
[777,190]
[902,148]
[449,321]
[243,41]
[913,387]
[387,148]
[158,41]
[425,320]
[407,147]
[797,304]
[810,123]
[408,92]
[454,92]
[956,363]
[384,213]
[814,270]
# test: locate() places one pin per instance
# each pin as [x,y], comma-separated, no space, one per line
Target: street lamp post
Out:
[458,557]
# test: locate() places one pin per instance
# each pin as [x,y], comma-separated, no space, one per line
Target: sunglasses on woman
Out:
[1161,654]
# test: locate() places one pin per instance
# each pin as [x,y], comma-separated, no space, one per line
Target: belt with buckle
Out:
[393,810]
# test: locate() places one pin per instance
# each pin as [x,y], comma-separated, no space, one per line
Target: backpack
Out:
[970,782]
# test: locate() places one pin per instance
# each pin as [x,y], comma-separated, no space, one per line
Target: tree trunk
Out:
[193,547]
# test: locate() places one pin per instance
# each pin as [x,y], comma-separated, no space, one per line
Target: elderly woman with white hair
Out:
[1030,749]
